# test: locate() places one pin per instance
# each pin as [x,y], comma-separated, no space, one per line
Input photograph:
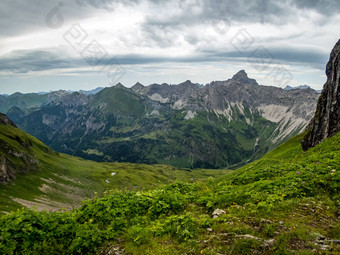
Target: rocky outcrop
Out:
[16,155]
[5,120]
[326,121]
[119,85]
[5,172]
[9,170]
[137,87]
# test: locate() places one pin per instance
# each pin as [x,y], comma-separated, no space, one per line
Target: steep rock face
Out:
[6,172]
[326,121]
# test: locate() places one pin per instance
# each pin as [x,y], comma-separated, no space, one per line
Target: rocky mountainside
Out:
[238,99]
[16,155]
[326,121]
[222,124]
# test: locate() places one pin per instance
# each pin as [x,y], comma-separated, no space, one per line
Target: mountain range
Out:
[300,87]
[223,124]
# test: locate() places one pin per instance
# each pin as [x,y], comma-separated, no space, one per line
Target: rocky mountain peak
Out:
[137,87]
[242,77]
[5,120]
[187,82]
[326,121]
[119,85]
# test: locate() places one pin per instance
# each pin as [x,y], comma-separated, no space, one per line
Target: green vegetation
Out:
[49,180]
[285,203]
[121,101]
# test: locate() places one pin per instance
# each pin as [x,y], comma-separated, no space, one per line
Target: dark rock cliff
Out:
[5,120]
[326,121]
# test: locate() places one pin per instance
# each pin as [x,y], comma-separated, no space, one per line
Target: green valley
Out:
[39,177]
[285,203]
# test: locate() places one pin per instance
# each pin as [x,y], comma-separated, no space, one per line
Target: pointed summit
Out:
[186,83]
[119,85]
[137,87]
[242,77]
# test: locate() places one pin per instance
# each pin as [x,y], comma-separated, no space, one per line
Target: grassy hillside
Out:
[285,203]
[48,180]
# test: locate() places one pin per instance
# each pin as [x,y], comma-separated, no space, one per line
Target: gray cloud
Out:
[173,24]
[263,11]
[23,61]
[326,7]
[282,55]
[239,10]
[17,16]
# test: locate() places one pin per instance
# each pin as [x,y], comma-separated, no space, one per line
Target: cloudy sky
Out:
[82,44]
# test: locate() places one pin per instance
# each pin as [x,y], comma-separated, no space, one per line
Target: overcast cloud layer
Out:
[51,45]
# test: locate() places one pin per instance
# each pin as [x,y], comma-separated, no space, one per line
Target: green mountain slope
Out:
[285,203]
[23,101]
[31,174]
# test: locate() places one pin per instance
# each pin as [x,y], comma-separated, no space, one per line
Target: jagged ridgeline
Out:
[224,124]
